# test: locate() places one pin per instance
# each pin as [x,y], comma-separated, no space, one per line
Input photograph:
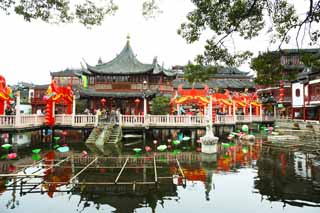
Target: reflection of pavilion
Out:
[278,180]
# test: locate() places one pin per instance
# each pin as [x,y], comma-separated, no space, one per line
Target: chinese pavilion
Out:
[225,78]
[124,82]
[288,96]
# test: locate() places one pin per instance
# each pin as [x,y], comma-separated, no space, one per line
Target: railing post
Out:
[234,112]
[120,120]
[261,119]
[97,120]
[250,113]
[18,115]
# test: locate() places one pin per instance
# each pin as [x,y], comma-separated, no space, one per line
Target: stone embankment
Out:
[298,125]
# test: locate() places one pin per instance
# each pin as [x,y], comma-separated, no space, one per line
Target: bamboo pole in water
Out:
[180,169]
[124,165]
[82,170]
[155,169]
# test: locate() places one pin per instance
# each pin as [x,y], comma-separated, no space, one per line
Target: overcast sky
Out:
[30,51]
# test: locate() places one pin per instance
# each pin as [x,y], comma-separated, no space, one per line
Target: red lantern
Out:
[137,101]
[103,101]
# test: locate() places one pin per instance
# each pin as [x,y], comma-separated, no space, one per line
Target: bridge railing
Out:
[76,120]
[85,120]
[162,120]
[8,121]
[31,120]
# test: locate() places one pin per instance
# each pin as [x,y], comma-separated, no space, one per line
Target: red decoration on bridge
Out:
[5,95]
[54,95]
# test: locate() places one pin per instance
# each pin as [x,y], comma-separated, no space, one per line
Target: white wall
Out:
[297,101]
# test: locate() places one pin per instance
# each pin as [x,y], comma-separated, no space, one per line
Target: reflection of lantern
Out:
[137,101]
[103,101]
[281,91]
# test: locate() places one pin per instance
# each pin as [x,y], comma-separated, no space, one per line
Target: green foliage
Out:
[247,19]
[81,105]
[86,12]
[268,67]
[311,60]
[160,105]
[198,73]
[150,9]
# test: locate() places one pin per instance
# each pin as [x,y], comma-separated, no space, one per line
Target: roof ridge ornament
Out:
[128,37]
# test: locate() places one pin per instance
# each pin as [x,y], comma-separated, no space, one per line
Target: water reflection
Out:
[292,179]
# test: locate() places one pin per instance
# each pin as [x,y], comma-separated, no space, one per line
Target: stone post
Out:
[209,141]
[17,108]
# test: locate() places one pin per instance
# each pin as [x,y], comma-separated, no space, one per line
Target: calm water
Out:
[240,178]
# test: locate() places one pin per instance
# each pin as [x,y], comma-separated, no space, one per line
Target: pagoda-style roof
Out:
[113,94]
[231,72]
[299,51]
[216,83]
[127,63]
[68,73]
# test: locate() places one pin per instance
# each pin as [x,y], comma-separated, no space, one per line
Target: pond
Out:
[241,177]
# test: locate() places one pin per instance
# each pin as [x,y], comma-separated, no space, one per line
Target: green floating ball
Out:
[137,150]
[6,146]
[245,128]
[186,138]
[36,151]
[56,146]
[36,157]
[162,148]
[176,142]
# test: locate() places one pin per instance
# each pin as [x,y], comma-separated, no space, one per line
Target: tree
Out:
[247,19]
[87,12]
[160,105]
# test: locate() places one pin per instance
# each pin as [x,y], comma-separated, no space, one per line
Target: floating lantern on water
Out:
[36,151]
[56,146]
[169,140]
[176,142]
[245,128]
[186,138]
[162,148]
[12,156]
[84,153]
[229,137]
[148,149]
[198,141]
[6,146]
[155,142]
[169,146]
[137,150]
[64,133]
[63,149]
[198,149]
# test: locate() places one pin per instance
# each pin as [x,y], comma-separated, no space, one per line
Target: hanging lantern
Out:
[137,101]
[103,101]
